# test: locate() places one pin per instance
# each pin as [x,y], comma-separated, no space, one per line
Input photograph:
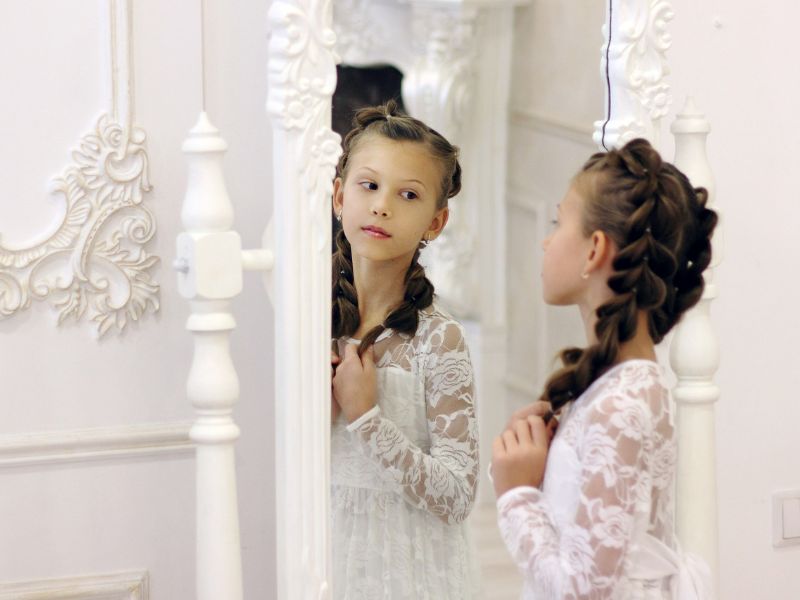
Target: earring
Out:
[339,216]
[584,275]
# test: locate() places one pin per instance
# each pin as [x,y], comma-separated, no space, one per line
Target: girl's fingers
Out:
[509,439]
[368,358]
[498,447]
[538,431]
[523,431]
[538,408]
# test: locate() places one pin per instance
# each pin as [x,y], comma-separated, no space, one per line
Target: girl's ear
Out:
[438,223]
[601,252]
[338,195]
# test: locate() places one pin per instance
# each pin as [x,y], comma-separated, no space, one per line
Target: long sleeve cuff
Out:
[372,412]
[530,493]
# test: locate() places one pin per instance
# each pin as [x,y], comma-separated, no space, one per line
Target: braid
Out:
[388,121]
[662,230]
[345,318]
[404,317]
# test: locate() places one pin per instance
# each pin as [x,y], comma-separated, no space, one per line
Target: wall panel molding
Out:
[95,264]
[553,126]
[128,585]
[55,447]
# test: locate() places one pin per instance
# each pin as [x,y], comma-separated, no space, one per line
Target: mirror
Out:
[458,70]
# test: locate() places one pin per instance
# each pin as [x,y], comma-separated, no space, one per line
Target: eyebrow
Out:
[408,180]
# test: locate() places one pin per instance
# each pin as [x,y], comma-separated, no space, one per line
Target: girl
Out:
[404,449]
[630,245]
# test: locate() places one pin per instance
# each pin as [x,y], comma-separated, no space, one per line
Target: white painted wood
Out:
[302,79]
[56,447]
[129,585]
[634,67]
[694,356]
[212,256]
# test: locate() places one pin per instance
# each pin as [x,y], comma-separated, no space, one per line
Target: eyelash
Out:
[367,186]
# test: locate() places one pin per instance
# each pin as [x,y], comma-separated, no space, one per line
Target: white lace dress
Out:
[602,525]
[404,475]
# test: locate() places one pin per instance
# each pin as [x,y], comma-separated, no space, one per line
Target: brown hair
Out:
[662,229]
[387,121]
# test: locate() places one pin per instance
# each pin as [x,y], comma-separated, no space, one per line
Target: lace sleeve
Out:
[585,558]
[443,481]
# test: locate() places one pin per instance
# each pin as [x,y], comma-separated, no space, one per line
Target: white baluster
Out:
[209,263]
[209,268]
[694,356]
[302,79]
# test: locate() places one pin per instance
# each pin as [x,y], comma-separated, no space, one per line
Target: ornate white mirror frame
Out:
[302,79]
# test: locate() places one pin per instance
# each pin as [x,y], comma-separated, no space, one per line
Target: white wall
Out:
[742,74]
[129,512]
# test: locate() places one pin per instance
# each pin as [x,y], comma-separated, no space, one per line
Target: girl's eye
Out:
[409,195]
[369,185]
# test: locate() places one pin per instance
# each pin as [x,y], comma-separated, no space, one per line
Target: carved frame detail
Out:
[634,66]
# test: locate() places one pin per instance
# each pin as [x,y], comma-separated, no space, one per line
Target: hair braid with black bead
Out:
[387,121]
[662,230]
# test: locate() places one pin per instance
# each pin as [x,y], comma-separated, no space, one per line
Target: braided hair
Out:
[662,229]
[387,121]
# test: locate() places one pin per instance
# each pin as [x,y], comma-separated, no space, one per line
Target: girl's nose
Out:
[545,242]
[380,209]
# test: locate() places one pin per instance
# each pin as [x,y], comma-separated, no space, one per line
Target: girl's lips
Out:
[376,232]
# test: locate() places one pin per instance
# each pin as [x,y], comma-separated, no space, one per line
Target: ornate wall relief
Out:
[95,265]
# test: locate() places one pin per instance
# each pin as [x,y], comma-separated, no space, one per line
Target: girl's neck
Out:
[380,286]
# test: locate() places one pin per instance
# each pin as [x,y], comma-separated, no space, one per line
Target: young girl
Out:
[629,248]
[404,450]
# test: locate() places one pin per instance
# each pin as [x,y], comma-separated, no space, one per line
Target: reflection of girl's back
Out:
[404,453]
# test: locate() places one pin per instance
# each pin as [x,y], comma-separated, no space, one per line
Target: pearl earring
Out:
[339,216]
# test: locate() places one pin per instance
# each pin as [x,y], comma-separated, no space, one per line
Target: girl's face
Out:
[388,199]
[566,249]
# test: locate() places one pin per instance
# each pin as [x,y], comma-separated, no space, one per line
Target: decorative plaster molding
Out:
[357,31]
[130,585]
[438,90]
[635,68]
[302,79]
[57,447]
[439,86]
[95,263]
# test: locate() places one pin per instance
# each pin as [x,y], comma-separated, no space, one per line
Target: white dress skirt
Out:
[404,475]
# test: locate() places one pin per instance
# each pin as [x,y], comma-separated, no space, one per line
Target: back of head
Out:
[388,122]
[662,229]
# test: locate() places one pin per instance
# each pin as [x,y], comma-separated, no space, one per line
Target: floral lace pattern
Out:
[606,495]
[405,478]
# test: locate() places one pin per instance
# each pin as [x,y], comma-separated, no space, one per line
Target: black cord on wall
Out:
[608,76]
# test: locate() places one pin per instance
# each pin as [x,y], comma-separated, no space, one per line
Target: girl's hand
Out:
[355,383]
[519,455]
[335,408]
[539,409]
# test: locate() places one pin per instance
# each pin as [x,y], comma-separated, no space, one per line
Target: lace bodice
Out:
[606,499]
[404,475]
